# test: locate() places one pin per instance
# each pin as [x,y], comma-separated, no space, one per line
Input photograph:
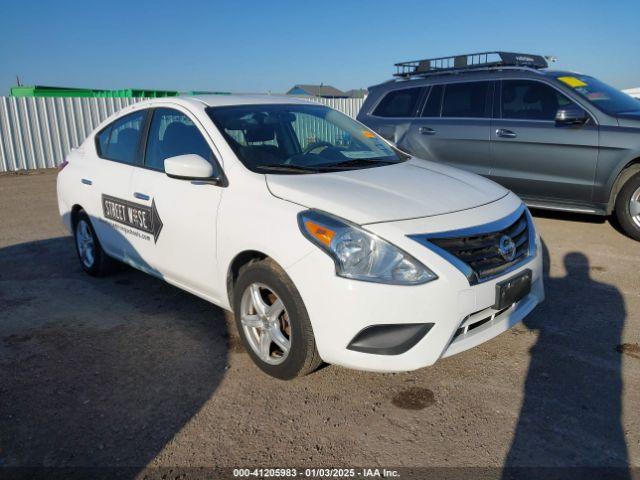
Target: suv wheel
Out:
[628,207]
[273,321]
[92,258]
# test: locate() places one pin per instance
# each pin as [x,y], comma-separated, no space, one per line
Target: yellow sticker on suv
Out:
[573,82]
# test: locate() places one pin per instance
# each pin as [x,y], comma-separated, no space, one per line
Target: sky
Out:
[271,45]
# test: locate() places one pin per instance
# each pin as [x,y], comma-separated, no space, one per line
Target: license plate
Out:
[512,290]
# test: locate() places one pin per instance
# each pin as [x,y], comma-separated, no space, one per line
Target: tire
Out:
[92,257]
[628,207]
[258,324]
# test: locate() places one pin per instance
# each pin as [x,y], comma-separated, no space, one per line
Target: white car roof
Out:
[220,100]
[227,100]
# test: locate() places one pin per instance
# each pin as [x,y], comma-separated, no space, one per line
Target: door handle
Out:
[86,181]
[141,196]
[503,132]
[426,130]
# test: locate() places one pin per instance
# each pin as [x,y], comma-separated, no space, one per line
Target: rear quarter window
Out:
[399,103]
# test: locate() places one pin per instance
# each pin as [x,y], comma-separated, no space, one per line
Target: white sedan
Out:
[325,242]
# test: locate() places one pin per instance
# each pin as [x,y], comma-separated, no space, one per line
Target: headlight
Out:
[361,255]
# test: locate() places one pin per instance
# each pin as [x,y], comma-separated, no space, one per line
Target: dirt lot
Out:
[127,370]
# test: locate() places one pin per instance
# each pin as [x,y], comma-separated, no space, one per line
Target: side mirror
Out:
[571,116]
[188,167]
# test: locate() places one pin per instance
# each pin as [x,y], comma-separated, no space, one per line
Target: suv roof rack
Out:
[469,61]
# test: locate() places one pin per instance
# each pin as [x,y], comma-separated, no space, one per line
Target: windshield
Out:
[300,139]
[603,96]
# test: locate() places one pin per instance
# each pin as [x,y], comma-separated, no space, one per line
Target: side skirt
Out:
[564,207]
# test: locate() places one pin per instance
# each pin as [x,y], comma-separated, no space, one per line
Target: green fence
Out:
[42,91]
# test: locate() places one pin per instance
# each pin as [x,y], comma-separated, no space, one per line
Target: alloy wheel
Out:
[85,244]
[634,207]
[265,323]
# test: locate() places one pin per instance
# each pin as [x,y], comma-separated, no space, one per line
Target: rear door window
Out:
[172,133]
[399,103]
[530,100]
[433,103]
[466,100]
[120,140]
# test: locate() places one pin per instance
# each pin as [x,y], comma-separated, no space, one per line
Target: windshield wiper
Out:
[325,167]
[357,162]
[289,168]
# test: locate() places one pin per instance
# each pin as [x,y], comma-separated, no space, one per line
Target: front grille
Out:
[481,251]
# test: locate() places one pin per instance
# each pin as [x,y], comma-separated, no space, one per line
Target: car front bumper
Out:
[461,315]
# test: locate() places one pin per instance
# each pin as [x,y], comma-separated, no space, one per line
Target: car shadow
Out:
[571,412]
[98,372]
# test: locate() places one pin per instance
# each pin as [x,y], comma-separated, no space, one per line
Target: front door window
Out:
[172,133]
[527,100]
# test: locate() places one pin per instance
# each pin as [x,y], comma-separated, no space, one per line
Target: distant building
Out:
[325,91]
[357,93]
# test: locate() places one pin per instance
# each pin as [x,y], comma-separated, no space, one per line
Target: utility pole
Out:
[18,80]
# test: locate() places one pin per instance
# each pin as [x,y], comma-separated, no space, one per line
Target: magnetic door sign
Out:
[135,215]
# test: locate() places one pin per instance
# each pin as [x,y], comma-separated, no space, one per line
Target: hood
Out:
[412,189]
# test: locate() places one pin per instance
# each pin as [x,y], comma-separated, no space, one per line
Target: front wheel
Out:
[273,321]
[628,207]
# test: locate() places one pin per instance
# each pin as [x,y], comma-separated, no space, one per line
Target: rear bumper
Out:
[63,207]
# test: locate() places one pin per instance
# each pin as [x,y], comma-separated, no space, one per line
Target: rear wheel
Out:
[273,321]
[628,207]
[92,257]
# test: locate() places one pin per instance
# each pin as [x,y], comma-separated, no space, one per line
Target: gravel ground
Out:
[129,371]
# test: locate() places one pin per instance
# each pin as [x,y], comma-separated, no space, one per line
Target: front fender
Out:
[251,219]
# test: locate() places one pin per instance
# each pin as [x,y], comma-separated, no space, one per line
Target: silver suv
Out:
[561,140]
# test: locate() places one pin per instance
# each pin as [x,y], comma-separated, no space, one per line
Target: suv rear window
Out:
[466,100]
[399,103]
